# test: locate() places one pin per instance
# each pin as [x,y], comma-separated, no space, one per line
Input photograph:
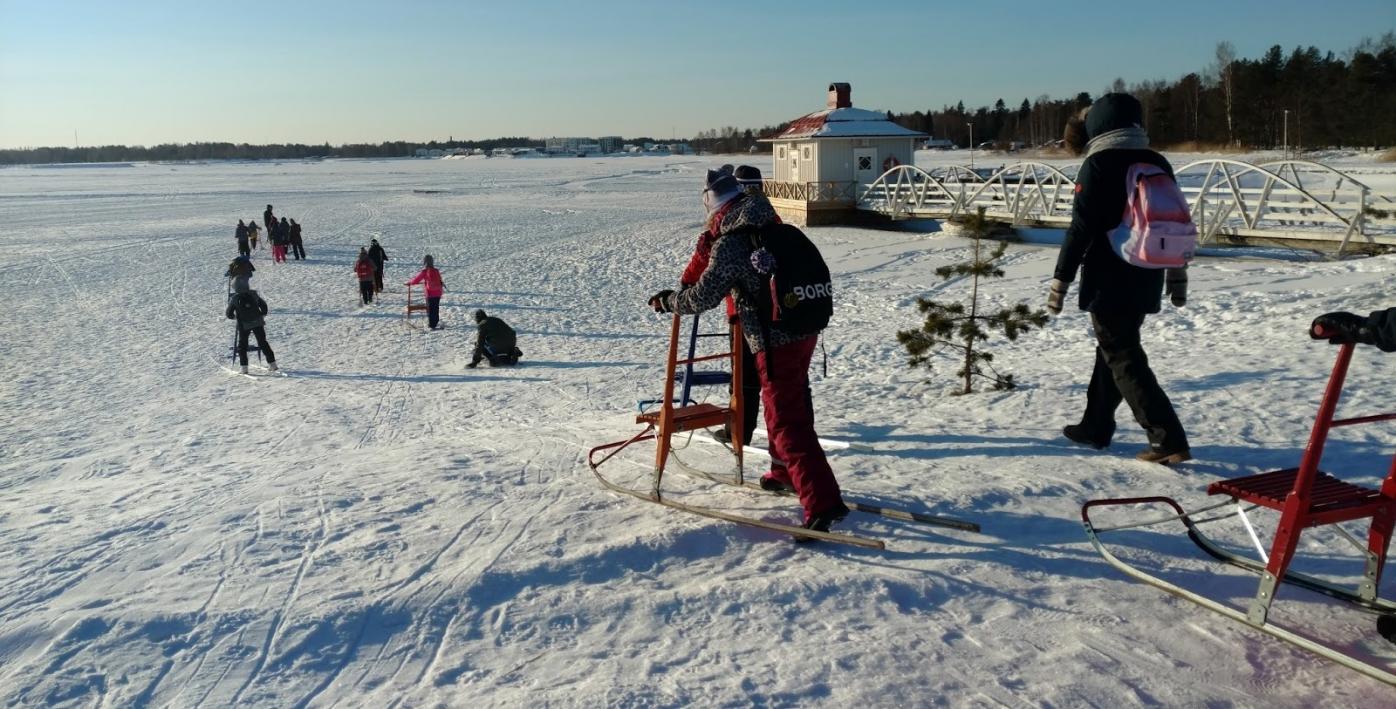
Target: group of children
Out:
[495,340]
[284,235]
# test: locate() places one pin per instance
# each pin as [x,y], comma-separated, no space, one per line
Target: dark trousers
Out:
[433,311]
[784,373]
[378,279]
[483,350]
[751,393]
[366,292]
[298,249]
[244,249]
[1122,373]
[261,334]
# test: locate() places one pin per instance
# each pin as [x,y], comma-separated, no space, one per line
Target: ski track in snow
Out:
[384,527]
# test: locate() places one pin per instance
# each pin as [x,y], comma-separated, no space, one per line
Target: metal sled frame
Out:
[662,424]
[1305,497]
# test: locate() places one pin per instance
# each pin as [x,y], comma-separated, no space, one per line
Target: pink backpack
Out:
[1157,231]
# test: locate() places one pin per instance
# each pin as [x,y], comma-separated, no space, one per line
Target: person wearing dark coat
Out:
[249,310]
[297,246]
[378,256]
[494,340]
[1117,295]
[241,236]
[1377,329]
[268,219]
[782,358]
[363,269]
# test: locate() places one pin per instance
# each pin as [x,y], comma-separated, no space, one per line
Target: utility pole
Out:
[1286,134]
[971,145]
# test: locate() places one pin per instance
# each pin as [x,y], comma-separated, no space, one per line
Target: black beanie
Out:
[747,175]
[1113,112]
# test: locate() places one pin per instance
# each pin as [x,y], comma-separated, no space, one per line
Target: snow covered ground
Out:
[387,528]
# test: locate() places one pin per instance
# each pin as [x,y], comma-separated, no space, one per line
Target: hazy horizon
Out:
[150,72]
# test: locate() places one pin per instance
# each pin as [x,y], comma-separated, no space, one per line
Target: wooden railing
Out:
[826,191]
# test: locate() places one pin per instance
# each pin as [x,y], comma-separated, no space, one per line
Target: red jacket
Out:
[363,268]
[432,278]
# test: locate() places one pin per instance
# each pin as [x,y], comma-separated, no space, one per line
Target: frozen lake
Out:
[387,528]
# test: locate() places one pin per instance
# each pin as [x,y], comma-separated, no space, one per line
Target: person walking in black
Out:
[241,236]
[249,310]
[268,219]
[378,256]
[297,246]
[1117,295]
[494,340]
[363,270]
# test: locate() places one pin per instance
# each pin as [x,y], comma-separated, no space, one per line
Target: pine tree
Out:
[952,326]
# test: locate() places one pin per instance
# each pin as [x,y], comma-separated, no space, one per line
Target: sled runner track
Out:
[879,510]
[788,529]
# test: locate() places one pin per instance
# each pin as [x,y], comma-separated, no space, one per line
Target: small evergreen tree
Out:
[952,325]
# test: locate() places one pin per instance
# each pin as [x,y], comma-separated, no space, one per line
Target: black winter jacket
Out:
[377,255]
[1382,323]
[497,334]
[1108,284]
[251,323]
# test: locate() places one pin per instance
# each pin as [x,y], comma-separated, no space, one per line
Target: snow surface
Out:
[387,528]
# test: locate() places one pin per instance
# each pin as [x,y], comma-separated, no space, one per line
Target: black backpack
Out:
[798,296]
[245,308]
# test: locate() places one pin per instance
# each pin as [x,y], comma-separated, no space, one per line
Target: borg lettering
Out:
[818,290]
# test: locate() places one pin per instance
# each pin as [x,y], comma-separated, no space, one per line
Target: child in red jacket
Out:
[363,268]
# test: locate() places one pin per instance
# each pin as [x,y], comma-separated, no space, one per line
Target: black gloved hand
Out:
[1175,286]
[1341,329]
[660,301]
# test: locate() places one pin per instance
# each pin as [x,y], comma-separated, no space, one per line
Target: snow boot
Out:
[1077,433]
[1163,457]
[770,483]
[272,366]
[822,521]
[722,436]
[244,369]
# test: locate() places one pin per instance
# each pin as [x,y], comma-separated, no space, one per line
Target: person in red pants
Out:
[782,358]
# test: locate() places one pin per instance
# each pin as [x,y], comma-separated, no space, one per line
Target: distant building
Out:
[610,143]
[565,145]
[680,149]
[939,144]
[822,158]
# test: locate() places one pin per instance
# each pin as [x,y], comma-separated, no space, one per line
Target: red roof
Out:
[846,122]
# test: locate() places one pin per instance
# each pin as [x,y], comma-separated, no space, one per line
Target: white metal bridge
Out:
[1284,200]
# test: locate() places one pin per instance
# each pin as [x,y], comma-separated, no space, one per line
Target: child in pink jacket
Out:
[431,280]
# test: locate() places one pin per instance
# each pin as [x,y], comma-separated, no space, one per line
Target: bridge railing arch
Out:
[1294,199]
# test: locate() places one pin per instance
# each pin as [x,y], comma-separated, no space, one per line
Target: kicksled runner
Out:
[1305,497]
[680,415]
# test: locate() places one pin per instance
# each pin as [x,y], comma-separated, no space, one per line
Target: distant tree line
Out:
[1331,101]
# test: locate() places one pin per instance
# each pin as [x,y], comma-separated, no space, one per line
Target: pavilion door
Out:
[865,167]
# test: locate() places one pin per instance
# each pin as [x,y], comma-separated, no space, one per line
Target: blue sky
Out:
[148,71]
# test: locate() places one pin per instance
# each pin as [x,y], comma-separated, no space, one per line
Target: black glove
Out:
[660,301]
[1056,295]
[1175,285]
[1341,329]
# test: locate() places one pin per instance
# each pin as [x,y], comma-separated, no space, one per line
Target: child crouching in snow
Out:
[431,280]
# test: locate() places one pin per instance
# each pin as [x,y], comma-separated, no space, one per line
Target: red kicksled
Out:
[1305,497]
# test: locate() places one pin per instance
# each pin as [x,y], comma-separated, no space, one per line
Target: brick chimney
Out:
[839,95]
